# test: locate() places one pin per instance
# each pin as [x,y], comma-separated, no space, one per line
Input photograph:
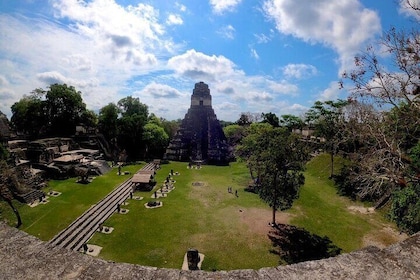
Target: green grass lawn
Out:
[321,211]
[228,230]
[204,217]
[46,220]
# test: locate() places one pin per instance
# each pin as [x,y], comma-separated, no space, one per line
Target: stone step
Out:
[91,225]
[87,233]
[72,230]
[81,230]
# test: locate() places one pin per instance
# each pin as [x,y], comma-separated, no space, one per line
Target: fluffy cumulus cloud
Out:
[199,66]
[283,87]
[331,93]
[299,71]
[95,46]
[221,6]
[174,19]
[160,91]
[131,33]
[342,25]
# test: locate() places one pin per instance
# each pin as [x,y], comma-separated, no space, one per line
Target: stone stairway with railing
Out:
[81,230]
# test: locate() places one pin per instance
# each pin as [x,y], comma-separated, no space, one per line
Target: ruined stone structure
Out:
[25,257]
[200,136]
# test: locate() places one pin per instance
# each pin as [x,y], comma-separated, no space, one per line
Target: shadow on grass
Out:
[295,244]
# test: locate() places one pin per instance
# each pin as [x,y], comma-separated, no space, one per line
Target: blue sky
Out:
[258,56]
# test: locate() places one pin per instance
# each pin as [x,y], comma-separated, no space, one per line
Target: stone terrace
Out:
[25,257]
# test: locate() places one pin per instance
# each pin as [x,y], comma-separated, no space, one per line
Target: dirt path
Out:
[257,219]
[386,235]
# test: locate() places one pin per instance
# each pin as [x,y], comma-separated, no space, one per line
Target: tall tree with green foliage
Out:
[134,116]
[270,118]
[64,109]
[329,120]
[155,139]
[171,127]
[279,157]
[291,122]
[29,115]
[53,112]
[248,149]
[108,121]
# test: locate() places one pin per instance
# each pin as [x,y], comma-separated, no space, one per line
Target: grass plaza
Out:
[231,231]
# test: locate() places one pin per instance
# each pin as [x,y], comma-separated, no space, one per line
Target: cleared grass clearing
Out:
[321,211]
[231,231]
[205,217]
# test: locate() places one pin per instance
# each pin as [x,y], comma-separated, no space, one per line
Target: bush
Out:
[344,186]
[405,208]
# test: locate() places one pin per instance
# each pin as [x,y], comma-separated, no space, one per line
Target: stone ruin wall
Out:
[25,257]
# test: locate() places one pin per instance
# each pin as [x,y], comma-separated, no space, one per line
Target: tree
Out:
[389,130]
[108,120]
[155,139]
[247,118]
[234,134]
[8,180]
[248,149]
[134,115]
[291,122]
[271,119]
[171,127]
[405,208]
[55,112]
[64,109]
[328,119]
[374,83]
[279,158]
[89,118]
[28,114]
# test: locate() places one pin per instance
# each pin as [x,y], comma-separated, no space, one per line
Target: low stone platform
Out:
[25,257]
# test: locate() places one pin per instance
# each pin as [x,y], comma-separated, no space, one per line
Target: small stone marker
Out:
[193,259]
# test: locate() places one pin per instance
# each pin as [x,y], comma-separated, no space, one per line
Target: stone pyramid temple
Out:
[200,136]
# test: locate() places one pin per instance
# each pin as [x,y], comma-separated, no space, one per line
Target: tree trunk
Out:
[274,203]
[332,163]
[19,220]
[274,216]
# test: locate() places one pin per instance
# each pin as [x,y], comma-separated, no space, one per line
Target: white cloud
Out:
[263,38]
[96,46]
[410,8]
[131,33]
[254,54]
[260,96]
[344,26]
[283,87]
[221,6]
[198,66]
[299,71]
[227,32]
[54,77]
[3,81]
[160,91]
[331,93]
[174,19]
[181,7]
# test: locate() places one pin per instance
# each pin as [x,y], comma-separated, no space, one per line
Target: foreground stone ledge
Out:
[25,257]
